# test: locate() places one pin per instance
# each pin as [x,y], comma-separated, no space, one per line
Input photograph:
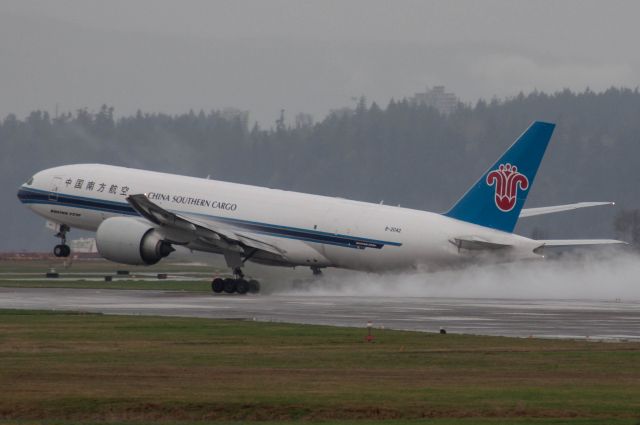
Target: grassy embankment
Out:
[82,368]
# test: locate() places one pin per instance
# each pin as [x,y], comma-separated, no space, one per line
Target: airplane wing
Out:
[182,229]
[528,212]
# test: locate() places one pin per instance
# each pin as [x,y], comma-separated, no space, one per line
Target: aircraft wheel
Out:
[217,285]
[230,286]
[254,286]
[61,250]
[242,286]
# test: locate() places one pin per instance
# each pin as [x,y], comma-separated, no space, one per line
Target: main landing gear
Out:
[236,285]
[62,249]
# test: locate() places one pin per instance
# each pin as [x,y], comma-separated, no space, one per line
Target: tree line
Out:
[402,153]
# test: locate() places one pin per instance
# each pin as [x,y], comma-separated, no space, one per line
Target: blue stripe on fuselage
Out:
[36,196]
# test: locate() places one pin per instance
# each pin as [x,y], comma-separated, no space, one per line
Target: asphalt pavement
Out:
[593,319]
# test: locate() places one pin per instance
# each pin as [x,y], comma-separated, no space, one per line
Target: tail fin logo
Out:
[507,180]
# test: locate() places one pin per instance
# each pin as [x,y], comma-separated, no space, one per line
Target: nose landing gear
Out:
[62,249]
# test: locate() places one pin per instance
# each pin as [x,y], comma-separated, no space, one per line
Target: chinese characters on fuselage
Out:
[92,185]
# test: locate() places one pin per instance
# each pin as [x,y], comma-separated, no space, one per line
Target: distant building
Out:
[83,246]
[233,114]
[438,98]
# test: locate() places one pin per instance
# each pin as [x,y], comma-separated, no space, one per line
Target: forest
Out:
[402,153]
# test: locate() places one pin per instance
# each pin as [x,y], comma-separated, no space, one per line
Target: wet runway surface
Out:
[609,319]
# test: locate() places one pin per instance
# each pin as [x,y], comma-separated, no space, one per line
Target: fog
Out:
[169,56]
[606,275]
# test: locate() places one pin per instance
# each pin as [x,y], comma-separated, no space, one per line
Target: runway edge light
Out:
[369,337]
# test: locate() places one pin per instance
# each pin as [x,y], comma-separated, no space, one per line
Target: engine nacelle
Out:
[131,241]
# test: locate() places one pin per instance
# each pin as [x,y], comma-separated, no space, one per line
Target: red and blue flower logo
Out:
[507,181]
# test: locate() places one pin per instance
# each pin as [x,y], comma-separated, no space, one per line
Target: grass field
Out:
[85,368]
[166,285]
[90,274]
[97,265]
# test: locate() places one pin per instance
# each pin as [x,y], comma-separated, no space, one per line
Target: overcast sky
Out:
[304,56]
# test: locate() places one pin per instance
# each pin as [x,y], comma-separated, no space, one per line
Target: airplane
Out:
[139,216]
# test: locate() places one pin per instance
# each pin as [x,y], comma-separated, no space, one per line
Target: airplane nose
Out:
[22,194]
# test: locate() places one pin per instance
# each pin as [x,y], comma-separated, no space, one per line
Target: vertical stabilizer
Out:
[496,199]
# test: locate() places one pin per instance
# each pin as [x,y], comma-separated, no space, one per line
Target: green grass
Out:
[85,368]
[428,421]
[166,285]
[90,274]
[93,265]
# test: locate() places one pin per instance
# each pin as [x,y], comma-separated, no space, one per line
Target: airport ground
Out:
[79,367]
[75,367]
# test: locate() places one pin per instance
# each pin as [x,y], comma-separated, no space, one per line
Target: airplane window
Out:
[30,181]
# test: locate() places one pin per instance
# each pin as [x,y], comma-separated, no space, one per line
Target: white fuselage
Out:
[84,195]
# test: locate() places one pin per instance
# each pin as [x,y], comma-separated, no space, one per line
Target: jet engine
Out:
[131,241]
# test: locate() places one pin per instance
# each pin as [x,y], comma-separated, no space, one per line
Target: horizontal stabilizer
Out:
[579,242]
[529,212]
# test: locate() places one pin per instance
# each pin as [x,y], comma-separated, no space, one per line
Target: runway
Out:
[598,320]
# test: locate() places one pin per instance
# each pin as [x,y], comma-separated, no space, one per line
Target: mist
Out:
[164,56]
[608,275]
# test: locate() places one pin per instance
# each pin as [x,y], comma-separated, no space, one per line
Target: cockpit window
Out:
[29,182]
